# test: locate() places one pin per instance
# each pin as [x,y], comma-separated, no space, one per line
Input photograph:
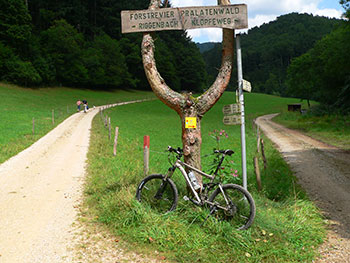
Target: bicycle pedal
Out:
[186,198]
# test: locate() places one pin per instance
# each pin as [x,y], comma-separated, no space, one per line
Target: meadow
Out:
[20,105]
[287,228]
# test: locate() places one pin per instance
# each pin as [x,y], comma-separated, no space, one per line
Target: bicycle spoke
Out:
[234,205]
[157,193]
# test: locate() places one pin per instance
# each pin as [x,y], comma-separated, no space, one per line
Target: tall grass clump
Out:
[287,227]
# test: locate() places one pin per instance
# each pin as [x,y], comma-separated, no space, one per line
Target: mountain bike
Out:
[229,202]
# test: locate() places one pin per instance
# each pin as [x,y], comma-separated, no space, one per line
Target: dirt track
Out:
[40,193]
[324,172]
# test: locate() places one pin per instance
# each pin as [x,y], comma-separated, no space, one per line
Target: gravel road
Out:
[39,188]
[40,194]
[324,172]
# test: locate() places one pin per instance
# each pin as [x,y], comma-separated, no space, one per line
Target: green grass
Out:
[332,129]
[19,106]
[287,228]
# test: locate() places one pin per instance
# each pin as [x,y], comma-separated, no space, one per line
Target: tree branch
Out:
[168,96]
[171,98]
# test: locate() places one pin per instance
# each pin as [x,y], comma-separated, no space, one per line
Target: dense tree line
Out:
[323,73]
[268,50]
[79,43]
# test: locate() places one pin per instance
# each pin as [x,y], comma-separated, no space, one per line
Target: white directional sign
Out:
[247,86]
[231,109]
[226,16]
[232,120]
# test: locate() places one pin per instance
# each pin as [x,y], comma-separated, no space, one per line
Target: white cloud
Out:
[331,13]
[259,12]
[180,3]
[260,19]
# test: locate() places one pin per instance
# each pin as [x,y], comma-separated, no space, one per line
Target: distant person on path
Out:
[78,105]
[86,107]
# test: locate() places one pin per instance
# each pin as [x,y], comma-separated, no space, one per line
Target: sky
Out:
[262,11]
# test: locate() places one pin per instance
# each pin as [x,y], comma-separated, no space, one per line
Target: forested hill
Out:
[268,50]
[79,43]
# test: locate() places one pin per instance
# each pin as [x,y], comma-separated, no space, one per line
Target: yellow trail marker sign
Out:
[226,16]
[191,122]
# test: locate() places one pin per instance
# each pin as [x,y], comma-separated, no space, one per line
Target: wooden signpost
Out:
[225,16]
[228,16]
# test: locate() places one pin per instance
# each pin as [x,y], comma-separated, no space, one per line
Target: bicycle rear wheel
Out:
[158,193]
[234,204]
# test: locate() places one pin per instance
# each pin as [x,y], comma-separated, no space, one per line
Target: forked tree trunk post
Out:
[185,104]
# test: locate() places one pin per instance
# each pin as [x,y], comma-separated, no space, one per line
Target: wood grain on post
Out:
[258,138]
[109,128]
[257,173]
[106,120]
[146,145]
[33,129]
[263,153]
[115,141]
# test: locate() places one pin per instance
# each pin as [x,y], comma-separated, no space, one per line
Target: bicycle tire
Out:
[241,208]
[158,193]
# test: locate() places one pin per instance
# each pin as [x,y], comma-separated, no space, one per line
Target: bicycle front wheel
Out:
[234,204]
[158,193]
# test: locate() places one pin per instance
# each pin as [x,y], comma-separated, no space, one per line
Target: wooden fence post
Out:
[263,152]
[257,172]
[258,138]
[146,145]
[109,128]
[256,159]
[115,141]
[33,129]
[106,118]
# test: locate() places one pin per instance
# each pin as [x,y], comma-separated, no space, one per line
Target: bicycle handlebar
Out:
[226,152]
[179,151]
